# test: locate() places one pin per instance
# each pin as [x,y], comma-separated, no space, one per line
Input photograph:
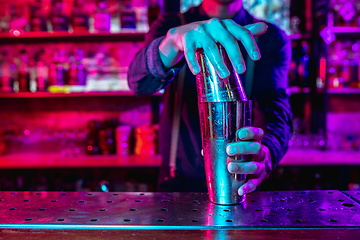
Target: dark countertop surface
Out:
[266,215]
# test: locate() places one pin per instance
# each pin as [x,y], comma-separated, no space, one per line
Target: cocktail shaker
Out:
[223,109]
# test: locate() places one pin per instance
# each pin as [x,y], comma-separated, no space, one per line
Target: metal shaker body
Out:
[223,109]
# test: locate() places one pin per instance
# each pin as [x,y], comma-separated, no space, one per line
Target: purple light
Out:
[355,47]
[332,70]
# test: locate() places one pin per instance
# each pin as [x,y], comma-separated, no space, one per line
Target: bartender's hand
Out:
[186,39]
[261,164]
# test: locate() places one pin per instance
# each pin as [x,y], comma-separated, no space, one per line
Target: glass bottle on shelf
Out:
[127,16]
[79,19]
[41,71]
[153,11]
[22,83]
[102,17]
[106,141]
[52,70]
[59,20]
[37,18]
[6,69]
[345,70]
[357,17]
[77,72]
[92,137]
[17,20]
[58,71]
[354,64]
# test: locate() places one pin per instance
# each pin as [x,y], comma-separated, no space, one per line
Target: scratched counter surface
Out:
[284,211]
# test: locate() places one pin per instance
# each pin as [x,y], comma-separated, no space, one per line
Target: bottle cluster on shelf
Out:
[78,15]
[66,67]
[332,142]
[344,13]
[299,67]
[100,138]
[109,137]
[344,64]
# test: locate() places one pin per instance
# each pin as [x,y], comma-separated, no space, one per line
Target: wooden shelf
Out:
[343,91]
[294,157]
[310,157]
[33,161]
[43,37]
[346,32]
[67,95]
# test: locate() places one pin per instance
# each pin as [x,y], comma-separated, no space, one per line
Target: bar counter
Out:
[111,215]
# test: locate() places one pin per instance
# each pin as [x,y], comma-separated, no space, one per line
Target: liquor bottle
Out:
[77,72]
[357,17]
[102,17]
[304,65]
[37,18]
[23,76]
[59,20]
[58,71]
[354,64]
[7,69]
[79,19]
[52,70]
[17,20]
[128,16]
[41,71]
[153,11]
[345,70]
[92,137]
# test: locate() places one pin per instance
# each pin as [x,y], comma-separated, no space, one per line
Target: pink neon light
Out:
[322,68]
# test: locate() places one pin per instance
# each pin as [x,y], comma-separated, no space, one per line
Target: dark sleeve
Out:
[272,110]
[147,74]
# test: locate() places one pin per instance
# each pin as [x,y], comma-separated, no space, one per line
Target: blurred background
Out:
[69,122]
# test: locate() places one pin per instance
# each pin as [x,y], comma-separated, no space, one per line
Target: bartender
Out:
[170,46]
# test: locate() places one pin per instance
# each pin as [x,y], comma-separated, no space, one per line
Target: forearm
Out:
[147,74]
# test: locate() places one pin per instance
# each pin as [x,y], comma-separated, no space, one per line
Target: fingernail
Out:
[240,68]
[256,55]
[231,150]
[233,167]
[196,70]
[241,192]
[243,134]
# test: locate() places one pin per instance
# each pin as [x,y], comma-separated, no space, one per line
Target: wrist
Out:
[170,54]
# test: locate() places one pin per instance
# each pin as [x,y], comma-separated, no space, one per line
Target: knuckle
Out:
[209,46]
[242,148]
[200,29]
[257,147]
[255,167]
[214,21]
[246,31]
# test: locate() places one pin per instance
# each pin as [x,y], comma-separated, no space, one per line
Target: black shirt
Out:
[272,111]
